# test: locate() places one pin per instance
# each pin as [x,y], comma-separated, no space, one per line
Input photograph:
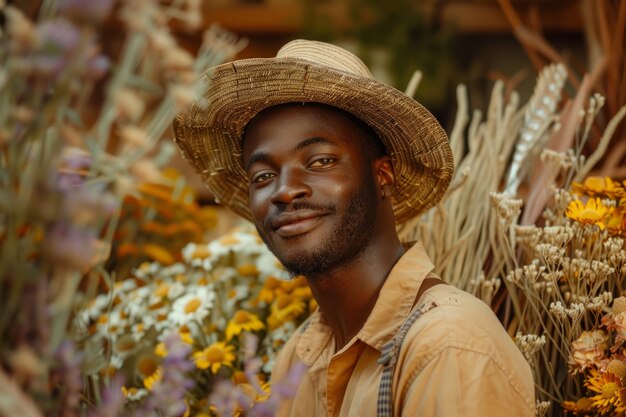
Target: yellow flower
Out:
[158,253]
[158,191]
[270,287]
[200,252]
[599,187]
[593,212]
[133,394]
[248,270]
[215,356]
[285,308]
[243,321]
[253,393]
[229,240]
[610,392]
[128,391]
[616,223]
[149,381]
[583,405]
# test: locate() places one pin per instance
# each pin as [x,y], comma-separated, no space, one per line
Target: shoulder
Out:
[463,329]
[459,319]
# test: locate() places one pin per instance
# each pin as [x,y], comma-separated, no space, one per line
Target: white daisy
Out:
[173,270]
[157,317]
[136,302]
[197,255]
[125,286]
[147,270]
[268,265]
[138,330]
[192,307]
[94,308]
[116,361]
[134,394]
[165,290]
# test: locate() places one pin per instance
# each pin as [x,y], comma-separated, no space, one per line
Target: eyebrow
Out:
[264,157]
[314,141]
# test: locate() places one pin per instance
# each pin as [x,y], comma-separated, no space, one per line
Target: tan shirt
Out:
[456,360]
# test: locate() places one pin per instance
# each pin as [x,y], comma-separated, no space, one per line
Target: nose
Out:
[290,186]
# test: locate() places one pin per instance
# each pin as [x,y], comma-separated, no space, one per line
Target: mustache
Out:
[298,205]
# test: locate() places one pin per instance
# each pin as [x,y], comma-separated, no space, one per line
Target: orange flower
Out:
[158,191]
[616,223]
[158,253]
[582,406]
[610,392]
[599,187]
[127,249]
[593,212]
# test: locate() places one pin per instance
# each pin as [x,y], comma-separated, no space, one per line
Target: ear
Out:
[385,176]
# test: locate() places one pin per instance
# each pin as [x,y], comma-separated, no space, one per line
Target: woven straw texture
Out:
[209,133]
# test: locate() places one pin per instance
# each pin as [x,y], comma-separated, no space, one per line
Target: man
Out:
[325,161]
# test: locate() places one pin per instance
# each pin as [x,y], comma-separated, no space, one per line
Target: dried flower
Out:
[129,105]
[529,344]
[21,31]
[588,350]
[599,187]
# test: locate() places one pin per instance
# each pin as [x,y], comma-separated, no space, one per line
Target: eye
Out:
[322,162]
[262,177]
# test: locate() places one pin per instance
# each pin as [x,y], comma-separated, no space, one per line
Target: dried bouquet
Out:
[560,270]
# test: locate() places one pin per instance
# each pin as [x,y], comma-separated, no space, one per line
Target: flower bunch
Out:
[599,355]
[569,271]
[218,296]
[156,222]
[605,206]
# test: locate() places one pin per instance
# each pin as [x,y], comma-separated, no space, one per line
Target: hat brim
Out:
[416,143]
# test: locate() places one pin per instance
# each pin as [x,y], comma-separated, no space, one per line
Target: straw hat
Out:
[209,133]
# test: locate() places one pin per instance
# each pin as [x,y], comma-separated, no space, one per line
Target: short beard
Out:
[345,244]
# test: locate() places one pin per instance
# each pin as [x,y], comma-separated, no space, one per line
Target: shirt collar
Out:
[395,302]
[397,297]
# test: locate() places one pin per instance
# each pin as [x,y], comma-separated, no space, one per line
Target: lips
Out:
[297,223]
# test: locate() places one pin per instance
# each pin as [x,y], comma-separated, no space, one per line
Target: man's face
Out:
[312,191]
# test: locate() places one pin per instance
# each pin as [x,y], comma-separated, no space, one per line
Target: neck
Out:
[347,294]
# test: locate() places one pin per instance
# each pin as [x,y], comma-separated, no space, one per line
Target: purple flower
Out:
[74,164]
[86,11]
[168,394]
[112,400]
[98,67]
[62,43]
[288,386]
[226,398]
[68,378]
[59,39]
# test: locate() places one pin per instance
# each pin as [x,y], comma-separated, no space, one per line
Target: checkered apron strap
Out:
[388,359]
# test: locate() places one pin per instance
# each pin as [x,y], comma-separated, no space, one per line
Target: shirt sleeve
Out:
[460,382]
